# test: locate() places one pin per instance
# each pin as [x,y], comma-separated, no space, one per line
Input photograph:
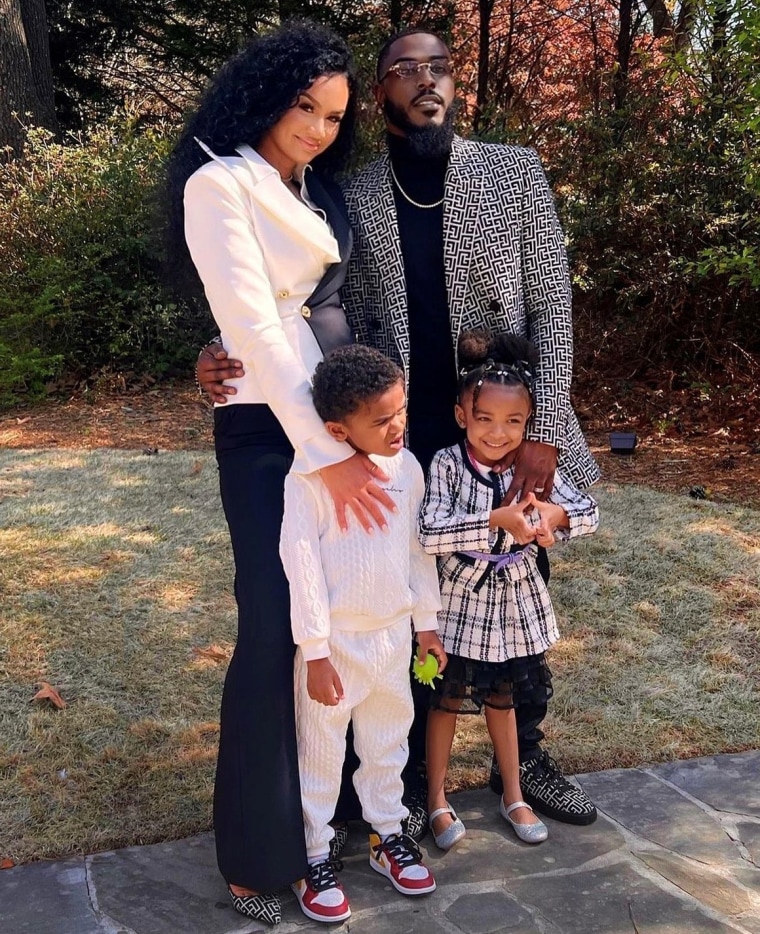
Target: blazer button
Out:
[283,293]
[306,311]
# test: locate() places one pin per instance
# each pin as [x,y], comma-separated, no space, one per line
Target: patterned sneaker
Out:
[400,861]
[547,790]
[416,825]
[321,896]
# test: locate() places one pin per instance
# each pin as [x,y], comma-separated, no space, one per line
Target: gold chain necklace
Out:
[417,204]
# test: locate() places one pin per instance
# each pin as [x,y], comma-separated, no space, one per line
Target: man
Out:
[452,234]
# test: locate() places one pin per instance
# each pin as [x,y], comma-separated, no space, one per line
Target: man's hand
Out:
[323,683]
[534,466]
[212,368]
[512,519]
[428,643]
[351,483]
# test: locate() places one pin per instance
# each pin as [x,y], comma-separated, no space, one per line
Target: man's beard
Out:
[428,142]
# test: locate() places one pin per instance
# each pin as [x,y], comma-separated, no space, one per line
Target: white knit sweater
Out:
[352,580]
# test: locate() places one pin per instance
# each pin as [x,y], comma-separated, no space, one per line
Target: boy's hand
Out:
[513,519]
[428,643]
[323,683]
[212,368]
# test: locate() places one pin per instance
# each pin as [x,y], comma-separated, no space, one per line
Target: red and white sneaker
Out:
[321,896]
[400,861]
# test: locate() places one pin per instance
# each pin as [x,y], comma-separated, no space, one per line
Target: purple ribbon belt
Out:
[499,561]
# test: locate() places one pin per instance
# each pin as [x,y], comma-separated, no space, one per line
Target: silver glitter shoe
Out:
[528,833]
[452,834]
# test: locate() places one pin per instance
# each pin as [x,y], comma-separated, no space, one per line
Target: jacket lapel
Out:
[375,211]
[464,184]
[333,207]
[263,184]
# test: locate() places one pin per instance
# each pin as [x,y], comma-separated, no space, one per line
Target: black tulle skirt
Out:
[469,684]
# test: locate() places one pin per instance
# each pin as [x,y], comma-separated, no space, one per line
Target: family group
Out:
[396,453]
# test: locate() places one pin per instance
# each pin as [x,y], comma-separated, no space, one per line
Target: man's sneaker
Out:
[400,861]
[547,790]
[321,896]
[416,824]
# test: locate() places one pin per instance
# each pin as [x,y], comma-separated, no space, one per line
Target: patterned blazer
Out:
[506,269]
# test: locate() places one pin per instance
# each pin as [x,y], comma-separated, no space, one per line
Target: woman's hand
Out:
[212,368]
[534,465]
[512,519]
[351,484]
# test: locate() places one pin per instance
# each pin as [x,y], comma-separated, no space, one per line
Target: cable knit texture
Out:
[351,580]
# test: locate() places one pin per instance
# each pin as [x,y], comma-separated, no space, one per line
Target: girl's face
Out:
[309,127]
[496,424]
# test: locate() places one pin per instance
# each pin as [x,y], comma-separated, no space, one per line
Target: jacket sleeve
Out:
[299,550]
[444,525]
[423,573]
[223,244]
[582,510]
[548,305]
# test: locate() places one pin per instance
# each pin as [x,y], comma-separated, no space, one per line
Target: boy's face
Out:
[377,426]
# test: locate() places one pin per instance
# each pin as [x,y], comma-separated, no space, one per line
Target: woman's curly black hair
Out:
[246,98]
[349,377]
[505,358]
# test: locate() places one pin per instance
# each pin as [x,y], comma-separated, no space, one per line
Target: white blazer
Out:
[260,254]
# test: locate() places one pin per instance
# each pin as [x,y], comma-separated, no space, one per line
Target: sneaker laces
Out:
[402,849]
[545,768]
[321,876]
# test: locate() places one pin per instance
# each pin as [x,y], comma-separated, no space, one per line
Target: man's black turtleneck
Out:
[432,368]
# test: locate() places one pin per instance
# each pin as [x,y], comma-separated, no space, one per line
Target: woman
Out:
[255,219]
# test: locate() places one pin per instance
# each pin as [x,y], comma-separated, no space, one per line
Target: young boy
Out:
[353,599]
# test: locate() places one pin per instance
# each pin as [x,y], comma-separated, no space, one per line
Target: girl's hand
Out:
[351,483]
[512,519]
[552,517]
[428,643]
[323,683]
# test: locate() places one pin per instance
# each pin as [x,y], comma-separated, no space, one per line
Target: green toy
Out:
[426,671]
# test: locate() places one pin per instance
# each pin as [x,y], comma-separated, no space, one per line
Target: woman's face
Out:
[309,127]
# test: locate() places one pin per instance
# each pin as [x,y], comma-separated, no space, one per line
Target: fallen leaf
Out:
[48,692]
[213,652]
[196,468]
[6,863]
[23,421]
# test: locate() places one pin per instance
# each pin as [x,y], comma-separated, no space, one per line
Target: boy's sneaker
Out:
[320,895]
[400,861]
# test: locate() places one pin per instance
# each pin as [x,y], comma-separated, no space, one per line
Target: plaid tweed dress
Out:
[492,616]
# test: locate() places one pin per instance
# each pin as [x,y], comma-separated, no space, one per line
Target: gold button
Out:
[283,293]
[306,311]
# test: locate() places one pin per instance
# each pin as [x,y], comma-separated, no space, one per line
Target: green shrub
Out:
[80,261]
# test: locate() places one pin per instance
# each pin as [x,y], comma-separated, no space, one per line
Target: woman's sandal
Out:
[452,834]
[528,833]
[267,908]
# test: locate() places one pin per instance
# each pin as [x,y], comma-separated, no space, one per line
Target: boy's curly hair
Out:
[247,97]
[348,378]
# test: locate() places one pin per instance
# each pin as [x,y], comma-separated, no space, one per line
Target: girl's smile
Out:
[495,423]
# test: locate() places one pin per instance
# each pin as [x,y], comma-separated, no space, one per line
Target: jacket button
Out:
[306,311]
[283,293]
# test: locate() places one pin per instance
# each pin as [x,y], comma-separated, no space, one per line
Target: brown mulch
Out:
[686,439]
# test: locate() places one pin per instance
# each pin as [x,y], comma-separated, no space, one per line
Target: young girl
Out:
[497,619]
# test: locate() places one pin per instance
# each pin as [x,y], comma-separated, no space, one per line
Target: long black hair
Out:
[247,97]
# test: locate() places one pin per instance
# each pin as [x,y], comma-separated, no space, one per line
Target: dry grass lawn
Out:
[116,567]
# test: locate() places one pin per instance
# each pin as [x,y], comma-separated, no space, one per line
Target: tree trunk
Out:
[485,11]
[26,81]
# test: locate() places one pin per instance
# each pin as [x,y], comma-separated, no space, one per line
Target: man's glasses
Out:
[437,69]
